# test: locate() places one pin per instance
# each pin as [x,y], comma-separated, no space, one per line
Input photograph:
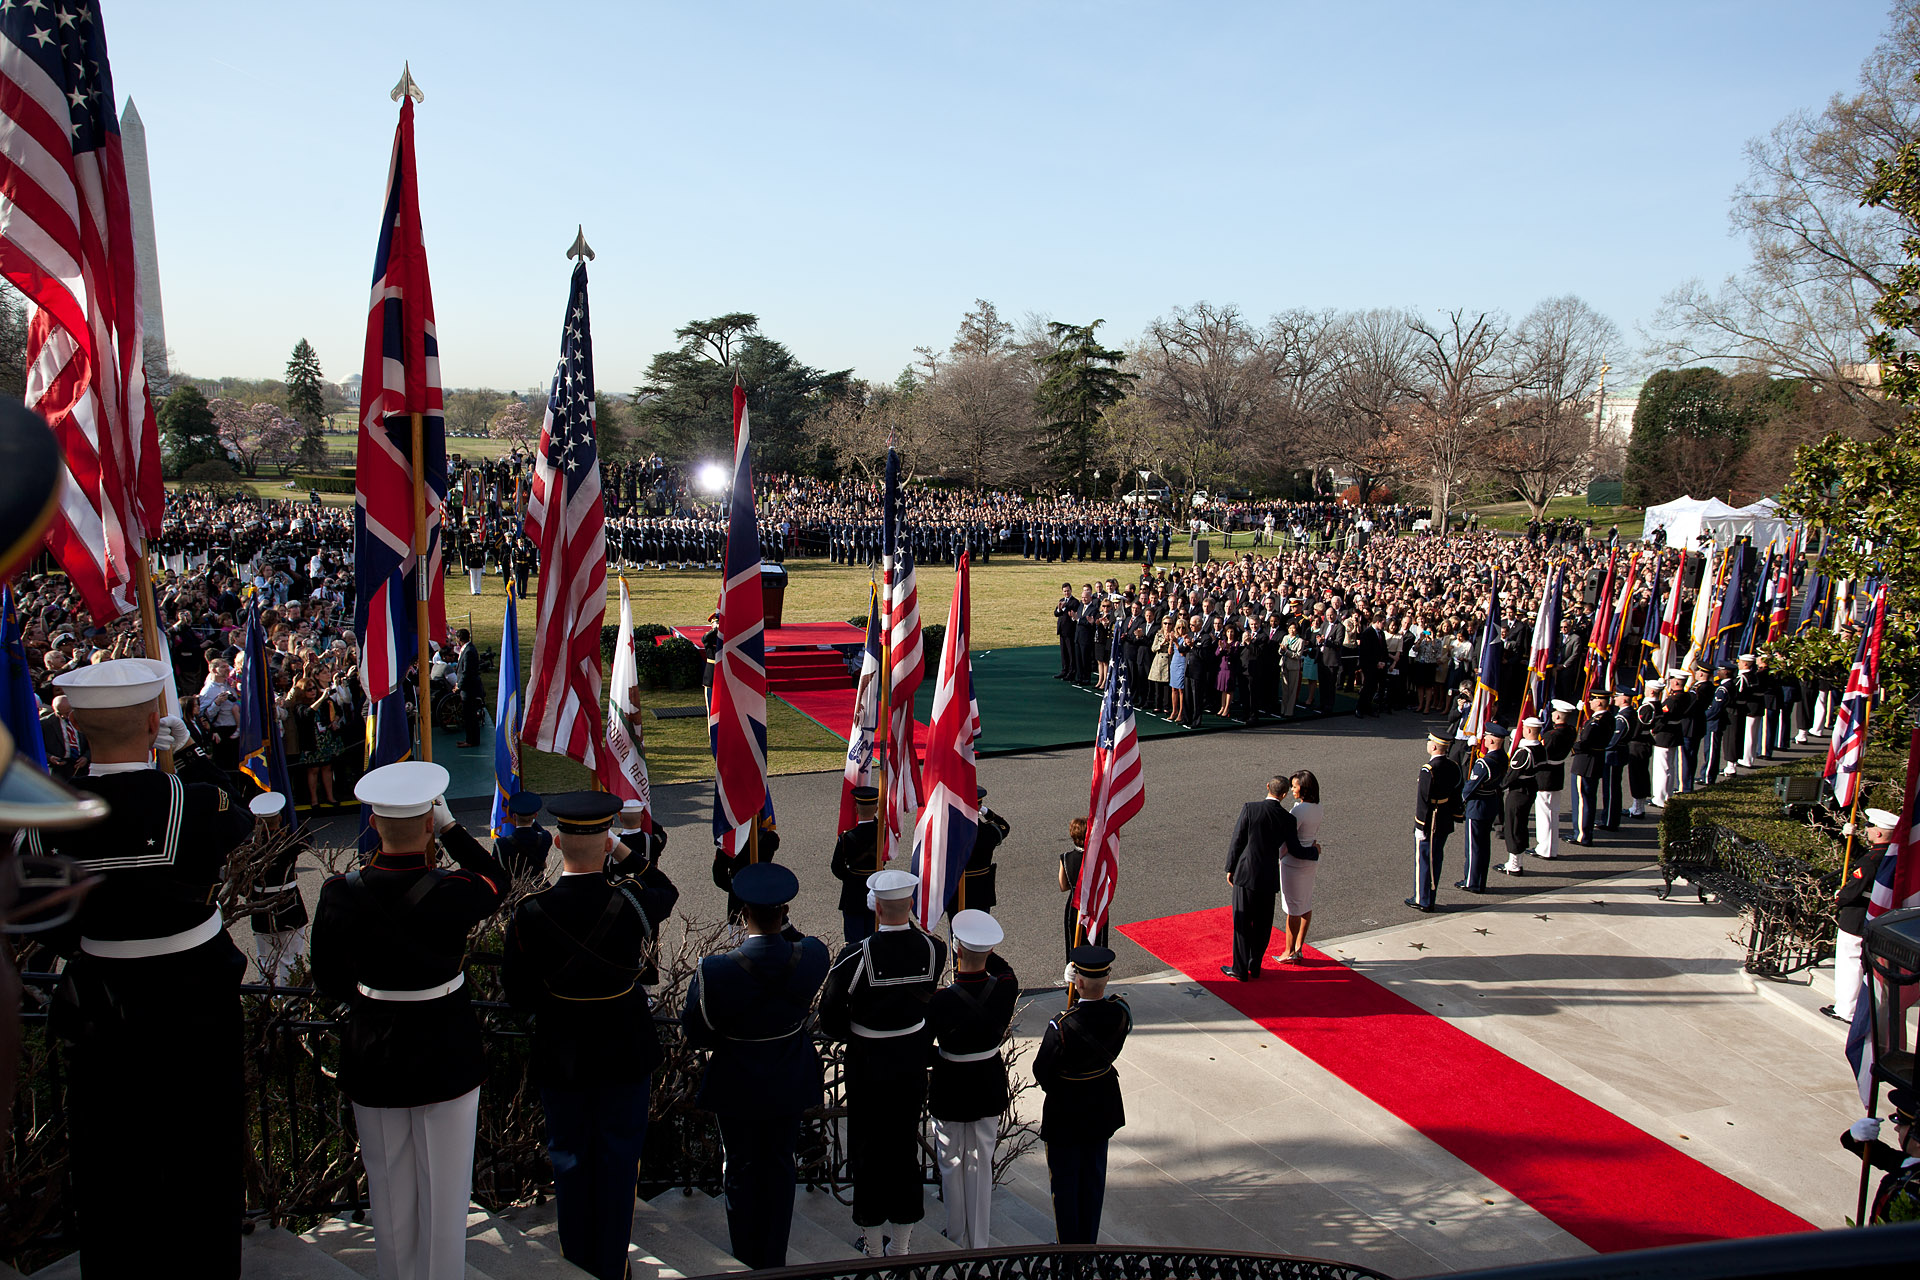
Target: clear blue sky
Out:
[856,174]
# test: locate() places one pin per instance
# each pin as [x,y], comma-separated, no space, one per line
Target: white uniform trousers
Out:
[965,1152]
[1848,964]
[1546,824]
[276,952]
[473,580]
[1665,768]
[1822,710]
[419,1181]
[1755,745]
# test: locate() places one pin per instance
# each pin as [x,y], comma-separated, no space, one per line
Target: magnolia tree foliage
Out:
[257,433]
[514,423]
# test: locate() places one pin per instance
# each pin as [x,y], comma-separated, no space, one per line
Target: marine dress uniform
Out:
[753,1008]
[875,1001]
[389,940]
[968,1089]
[1074,1065]
[149,1001]
[576,954]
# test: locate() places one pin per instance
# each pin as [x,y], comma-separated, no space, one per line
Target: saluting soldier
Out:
[149,1000]
[522,849]
[753,1008]
[979,876]
[1480,798]
[968,1090]
[1074,1065]
[389,939]
[576,954]
[1436,807]
[277,914]
[876,1002]
[856,856]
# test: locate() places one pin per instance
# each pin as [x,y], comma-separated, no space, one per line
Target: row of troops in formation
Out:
[196,532]
[151,977]
[1624,752]
[936,542]
[859,542]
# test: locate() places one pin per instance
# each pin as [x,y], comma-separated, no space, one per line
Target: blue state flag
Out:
[262,755]
[506,721]
[18,707]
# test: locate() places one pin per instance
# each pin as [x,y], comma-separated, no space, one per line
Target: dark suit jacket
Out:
[472,689]
[1264,832]
[1373,649]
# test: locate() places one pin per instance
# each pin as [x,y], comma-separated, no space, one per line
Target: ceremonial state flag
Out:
[66,243]
[1542,651]
[1117,795]
[1782,595]
[1701,624]
[1849,747]
[1667,649]
[949,820]
[1486,685]
[262,755]
[507,713]
[1733,612]
[858,771]
[566,522]
[737,713]
[906,668]
[19,709]
[623,769]
[1895,887]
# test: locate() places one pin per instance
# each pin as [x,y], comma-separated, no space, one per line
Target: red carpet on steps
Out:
[832,709]
[1602,1180]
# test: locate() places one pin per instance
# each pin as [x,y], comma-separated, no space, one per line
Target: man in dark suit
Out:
[1265,831]
[1373,667]
[1066,611]
[471,687]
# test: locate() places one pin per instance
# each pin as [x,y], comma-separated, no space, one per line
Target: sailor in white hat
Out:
[968,1091]
[1557,739]
[279,916]
[390,940]
[1674,710]
[875,1000]
[158,1094]
[1519,788]
[1878,829]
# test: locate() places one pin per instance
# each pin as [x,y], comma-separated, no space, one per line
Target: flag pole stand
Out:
[423,593]
[1866,1152]
[150,631]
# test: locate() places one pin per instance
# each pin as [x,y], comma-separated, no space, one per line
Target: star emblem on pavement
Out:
[1483,932]
[1539,917]
[1418,946]
[1599,902]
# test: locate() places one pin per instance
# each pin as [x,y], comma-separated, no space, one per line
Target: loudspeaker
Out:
[1199,546]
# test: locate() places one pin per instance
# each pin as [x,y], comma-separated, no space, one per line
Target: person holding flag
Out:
[737,713]
[279,917]
[1074,1065]
[1855,896]
[943,837]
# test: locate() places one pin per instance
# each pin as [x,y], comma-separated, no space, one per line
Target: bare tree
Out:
[976,403]
[1208,378]
[860,425]
[1544,435]
[1460,372]
[1352,423]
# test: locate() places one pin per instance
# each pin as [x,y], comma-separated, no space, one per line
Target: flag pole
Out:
[423,592]
[1859,785]
[880,727]
[150,631]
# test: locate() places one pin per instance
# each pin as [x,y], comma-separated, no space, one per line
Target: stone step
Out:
[266,1253]
[701,1216]
[1015,1222]
[501,1250]
[350,1244]
[825,1224]
[675,1251]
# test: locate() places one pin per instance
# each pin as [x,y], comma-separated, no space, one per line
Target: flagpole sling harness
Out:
[773,981]
[583,948]
[395,920]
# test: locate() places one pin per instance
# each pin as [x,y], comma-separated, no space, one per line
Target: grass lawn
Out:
[1513,516]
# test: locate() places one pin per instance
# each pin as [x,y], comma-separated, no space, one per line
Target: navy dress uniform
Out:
[389,939]
[752,1007]
[968,1089]
[1083,1110]
[576,955]
[149,1001]
[977,881]
[1556,747]
[856,856]
[276,912]
[522,849]
[1517,790]
[1586,765]
[875,1001]
[1436,808]
[1620,730]
[1482,800]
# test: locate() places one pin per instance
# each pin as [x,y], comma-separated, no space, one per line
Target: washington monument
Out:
[146,251]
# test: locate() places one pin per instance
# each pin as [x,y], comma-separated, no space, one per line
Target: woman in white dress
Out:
[1297,874]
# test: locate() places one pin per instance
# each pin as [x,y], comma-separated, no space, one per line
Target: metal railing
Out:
[1080,1262]
[1788,903]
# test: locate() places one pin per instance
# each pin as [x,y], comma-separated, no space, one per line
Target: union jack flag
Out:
[1896,886]
[399,377]
[866,719]
[737,713]
[907,668]
[1849,746]
[567,523]
[943,837]
[66,242]
[1118,794]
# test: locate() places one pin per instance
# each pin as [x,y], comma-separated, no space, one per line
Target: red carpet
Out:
[832,709]
[796,634]
[1599,1178]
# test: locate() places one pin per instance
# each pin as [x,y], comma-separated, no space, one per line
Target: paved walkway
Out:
[1234,1140]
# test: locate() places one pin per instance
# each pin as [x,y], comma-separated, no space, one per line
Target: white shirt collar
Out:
[127,766]
[893,928]
[565,874]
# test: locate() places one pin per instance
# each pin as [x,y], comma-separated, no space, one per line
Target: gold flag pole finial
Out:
[407,87]
[581,249]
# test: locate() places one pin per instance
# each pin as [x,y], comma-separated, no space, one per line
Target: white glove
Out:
[442,816]
[173,734]
[1846,829]
[873,903]
[1066,977]
[1865,1129]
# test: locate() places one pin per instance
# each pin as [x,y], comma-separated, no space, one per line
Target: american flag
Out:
[567,524]
[1849,746]
[1895,887]
[623,769]
[399,377]
[737,714]
[66,242]
[1117,795]
[943,837]
[1486,686]
[907,668]
[858,771]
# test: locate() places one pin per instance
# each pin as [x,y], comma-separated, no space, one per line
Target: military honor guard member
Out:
[977,881]
[389,939]
[856,856]
[576,953]
[1899,1189]
[149,1000]
[1481,799]
[522,849]
[1849,939]
[277,913]
[752,1008]
[1436,808]
[1557,740]
[1074,1065]
[875,1001]
[1518,790]
[968,1091]
[1587,764]
[1621,728]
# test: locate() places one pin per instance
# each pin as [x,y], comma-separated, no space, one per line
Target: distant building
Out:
[146,250]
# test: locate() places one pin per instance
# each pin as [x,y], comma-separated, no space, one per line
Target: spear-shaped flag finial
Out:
[581,249]
[407,88]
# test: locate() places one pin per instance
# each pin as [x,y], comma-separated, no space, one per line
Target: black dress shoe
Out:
[1828,1010]
[1459,884]
[1414,903]
[1227,970]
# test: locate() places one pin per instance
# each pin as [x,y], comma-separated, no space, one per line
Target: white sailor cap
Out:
[121,682]
[1882,818]
[891,886]
[1744,657]
[1677,673]
[1531,722]
[1561,704]
[976,930]
[404,790]
[267,803]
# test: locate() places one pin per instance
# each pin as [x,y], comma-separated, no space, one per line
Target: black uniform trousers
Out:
[1586,793]
[594,1138]
[1478,836]
[1689,764]
[1716,751]
[758,1177]
[1077,1173]
[1610,806]
[1517,807]
[1252,930]
[857,925]
[1429,856]
[886,1088]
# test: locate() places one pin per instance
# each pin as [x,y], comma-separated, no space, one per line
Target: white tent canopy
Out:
[1684,518]
[1757,521]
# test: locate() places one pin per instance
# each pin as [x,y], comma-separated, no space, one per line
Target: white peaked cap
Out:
[976,930]
[122,682]
[1561,704]
[889,886]
[404,790]
[1882,818]
[267,803]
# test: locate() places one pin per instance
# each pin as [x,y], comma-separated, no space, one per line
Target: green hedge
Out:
[339,483]
[1748,807]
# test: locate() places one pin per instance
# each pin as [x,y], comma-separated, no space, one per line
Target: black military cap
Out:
[1090,960]
[765,884]
[583,813]
[523,804]
[980,793]
[866,795]
[29,483]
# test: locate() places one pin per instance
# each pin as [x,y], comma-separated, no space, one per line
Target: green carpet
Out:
[1023,708]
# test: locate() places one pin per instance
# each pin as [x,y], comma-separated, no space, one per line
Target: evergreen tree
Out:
[1080,380]
[188,433]
[308,403]
[1690,431]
